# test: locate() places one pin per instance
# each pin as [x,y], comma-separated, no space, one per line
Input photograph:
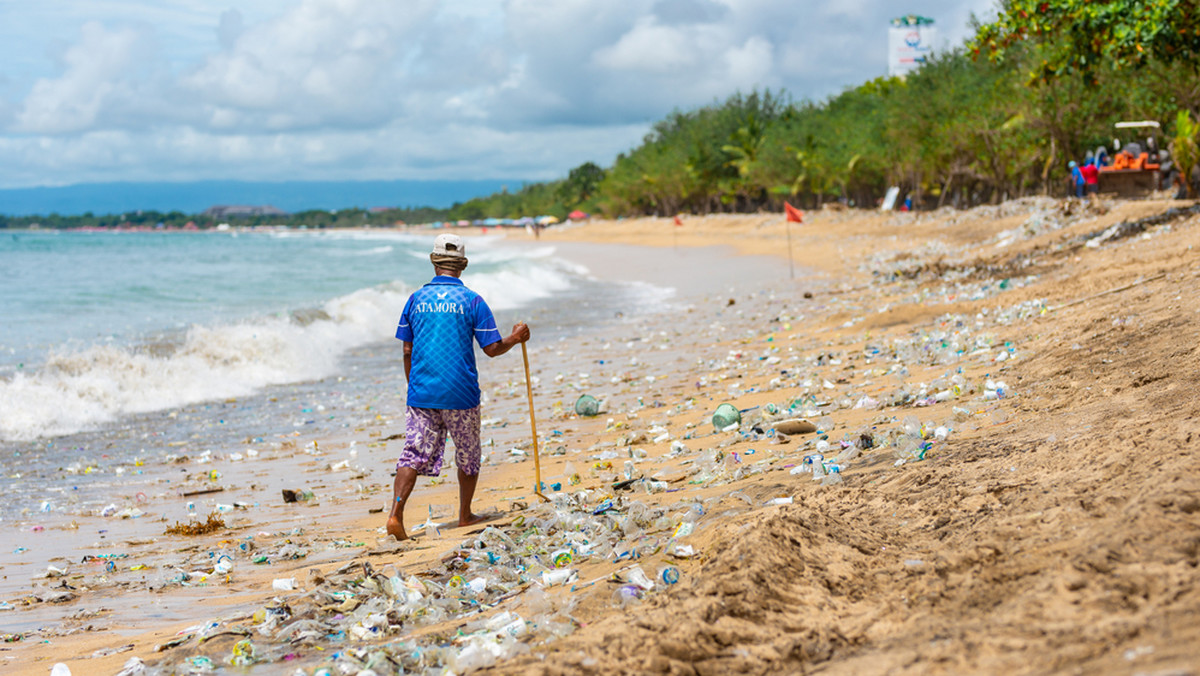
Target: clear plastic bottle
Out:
[817,462]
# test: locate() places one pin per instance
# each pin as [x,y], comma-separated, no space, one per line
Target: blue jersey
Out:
[440,320]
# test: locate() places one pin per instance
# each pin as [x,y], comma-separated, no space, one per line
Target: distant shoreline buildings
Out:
[241,211]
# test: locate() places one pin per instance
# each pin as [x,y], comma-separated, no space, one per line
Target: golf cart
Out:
[1139,167]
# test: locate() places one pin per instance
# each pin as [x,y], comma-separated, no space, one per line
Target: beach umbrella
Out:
[547,220]
[524,220]
[577,215]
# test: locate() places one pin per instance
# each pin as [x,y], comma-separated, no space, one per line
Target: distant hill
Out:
[290,196]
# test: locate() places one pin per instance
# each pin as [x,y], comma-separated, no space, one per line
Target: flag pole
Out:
[791,264]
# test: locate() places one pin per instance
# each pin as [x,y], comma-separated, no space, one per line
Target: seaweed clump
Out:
[214,523]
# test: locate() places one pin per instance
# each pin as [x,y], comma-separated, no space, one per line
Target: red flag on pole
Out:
[794,215]
[678,220]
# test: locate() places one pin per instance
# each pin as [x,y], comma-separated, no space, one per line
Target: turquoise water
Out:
[79,288]
[100,326]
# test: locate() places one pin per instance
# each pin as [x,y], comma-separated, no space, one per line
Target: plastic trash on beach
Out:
[726,416]
[357,614]
[628,594]
[134,666]
[284,584]
[794,426]
[667,576]
[587,405]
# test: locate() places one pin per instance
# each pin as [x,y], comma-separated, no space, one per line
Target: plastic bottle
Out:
[912,426]
[558,576]
[817,462]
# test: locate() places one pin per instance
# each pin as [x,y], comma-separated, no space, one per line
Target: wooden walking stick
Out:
[537,463]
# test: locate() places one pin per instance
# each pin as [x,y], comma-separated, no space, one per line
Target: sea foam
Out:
[82,390]
[89,388]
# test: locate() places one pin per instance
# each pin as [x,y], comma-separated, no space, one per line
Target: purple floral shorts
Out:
[425,432]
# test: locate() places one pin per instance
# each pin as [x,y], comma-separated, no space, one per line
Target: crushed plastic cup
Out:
[638,577]
[834,476]
[552,578]
[682,551]
[627,594]
[284,584]
[587,405]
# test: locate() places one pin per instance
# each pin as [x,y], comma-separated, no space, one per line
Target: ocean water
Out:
[116,346]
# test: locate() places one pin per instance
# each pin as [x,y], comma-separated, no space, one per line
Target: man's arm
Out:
[520,334]
[407,359]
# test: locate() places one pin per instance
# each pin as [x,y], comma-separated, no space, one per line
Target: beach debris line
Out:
[359,617]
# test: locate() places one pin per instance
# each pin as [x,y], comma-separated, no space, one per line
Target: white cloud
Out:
[96,77]
[283,89]
[653,48]
[324,62]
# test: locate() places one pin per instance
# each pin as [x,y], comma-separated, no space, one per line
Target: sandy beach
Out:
[1001,477]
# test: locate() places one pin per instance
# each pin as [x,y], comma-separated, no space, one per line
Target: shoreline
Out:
[1021,507]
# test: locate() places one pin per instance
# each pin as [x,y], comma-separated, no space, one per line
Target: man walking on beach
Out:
[437,326]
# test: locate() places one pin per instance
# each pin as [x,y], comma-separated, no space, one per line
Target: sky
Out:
[279,90]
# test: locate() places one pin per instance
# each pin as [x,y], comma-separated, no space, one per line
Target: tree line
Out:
[995,118]
[176,220]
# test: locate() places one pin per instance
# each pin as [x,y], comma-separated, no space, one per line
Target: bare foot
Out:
[396,529]
[472,519]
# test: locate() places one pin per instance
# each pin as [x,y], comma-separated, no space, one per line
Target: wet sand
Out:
[1006,391]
